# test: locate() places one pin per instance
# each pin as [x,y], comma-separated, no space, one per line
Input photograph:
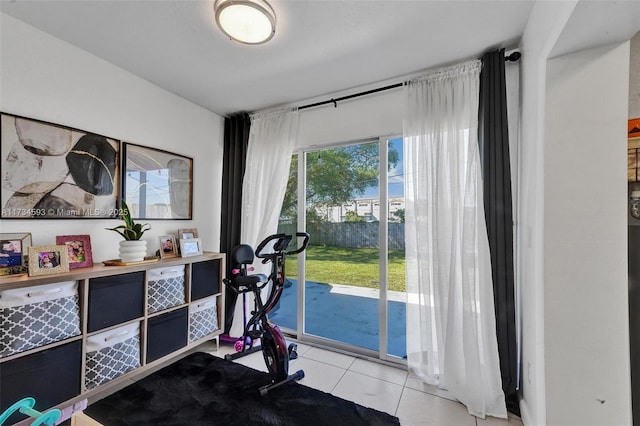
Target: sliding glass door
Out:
[395,288]
[353,271]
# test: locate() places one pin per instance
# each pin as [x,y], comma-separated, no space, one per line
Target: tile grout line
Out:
[398,404]
[344,372]
[327,363]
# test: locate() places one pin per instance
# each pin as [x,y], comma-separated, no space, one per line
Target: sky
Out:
[396,175]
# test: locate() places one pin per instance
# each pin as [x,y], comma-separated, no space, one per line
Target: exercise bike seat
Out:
[248,283]
[241,281]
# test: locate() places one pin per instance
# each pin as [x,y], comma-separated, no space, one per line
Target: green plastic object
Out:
[25,406]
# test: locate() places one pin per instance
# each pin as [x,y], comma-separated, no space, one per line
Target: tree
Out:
[398,215]
[352,216]
[335,176]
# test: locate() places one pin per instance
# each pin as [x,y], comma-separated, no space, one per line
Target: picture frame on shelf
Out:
[45,260]
[52,171]
[14,253]
[79,251]
[190,247]
[187,233]
[168,246]
[156,184]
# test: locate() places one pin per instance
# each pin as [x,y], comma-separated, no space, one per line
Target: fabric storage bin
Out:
[167,333]
[165,288]
[203,318]
[36,316]
[205,279]
[115,299]
[51,376]
[111,354]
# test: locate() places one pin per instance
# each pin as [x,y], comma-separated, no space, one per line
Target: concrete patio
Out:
[347,314]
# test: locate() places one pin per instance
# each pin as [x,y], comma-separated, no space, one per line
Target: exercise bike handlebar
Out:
[280,245]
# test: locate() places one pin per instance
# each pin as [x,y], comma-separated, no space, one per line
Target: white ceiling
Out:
[320,46]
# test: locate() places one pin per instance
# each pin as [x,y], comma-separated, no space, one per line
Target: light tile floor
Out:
[371,384]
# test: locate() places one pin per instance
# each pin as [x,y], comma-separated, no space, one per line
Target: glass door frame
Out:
[382,352]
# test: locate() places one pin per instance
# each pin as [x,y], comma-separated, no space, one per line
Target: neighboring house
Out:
[367,208]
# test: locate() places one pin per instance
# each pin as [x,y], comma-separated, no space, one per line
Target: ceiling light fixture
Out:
[246,21]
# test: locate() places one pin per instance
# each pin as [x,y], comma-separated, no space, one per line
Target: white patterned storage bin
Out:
[165,288]
[111,354]
[203,318]
[35,316]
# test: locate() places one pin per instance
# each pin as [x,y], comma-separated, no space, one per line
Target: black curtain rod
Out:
[355,95]
[515,56]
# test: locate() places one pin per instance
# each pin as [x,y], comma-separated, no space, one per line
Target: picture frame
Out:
[157,184]
[168,246]
[78,250]
[50,171]
[14,253]
[190,247]
[46,260]
[187,233]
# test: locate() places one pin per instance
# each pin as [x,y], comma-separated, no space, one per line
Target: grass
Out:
[352,266]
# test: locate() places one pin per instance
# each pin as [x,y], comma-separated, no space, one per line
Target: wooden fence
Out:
[350,234]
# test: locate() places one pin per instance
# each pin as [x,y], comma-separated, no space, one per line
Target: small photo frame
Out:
[78,250]
[190,247]
[168,246]
[14,249]
[45,260]
[187,233]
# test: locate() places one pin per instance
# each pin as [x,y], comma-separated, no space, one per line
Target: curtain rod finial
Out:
[514,57]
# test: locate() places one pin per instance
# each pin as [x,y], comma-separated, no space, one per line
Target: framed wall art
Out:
[14,252]
[78,250]
[168,246]
[45,260]
[52,171]
[157,184]
[190,247]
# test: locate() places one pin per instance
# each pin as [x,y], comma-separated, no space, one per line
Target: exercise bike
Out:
[272,343]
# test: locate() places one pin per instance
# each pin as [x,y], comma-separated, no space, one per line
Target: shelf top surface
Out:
[99,270]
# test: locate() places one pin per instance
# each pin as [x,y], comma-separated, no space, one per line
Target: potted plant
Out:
[132,249]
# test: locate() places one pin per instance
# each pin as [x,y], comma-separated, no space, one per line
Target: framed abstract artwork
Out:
[157,184]
[56,172]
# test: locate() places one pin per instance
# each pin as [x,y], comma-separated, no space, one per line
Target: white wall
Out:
[545,23]
[634,78]
[375,115]
[45,78]
[585,239]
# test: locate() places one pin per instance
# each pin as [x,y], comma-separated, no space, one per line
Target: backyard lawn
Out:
[352,266]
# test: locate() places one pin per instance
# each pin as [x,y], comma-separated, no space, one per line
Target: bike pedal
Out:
[293,352]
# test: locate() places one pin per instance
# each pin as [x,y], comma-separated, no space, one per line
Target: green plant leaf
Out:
[130,230]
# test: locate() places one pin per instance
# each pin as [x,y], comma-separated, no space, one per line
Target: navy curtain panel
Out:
[493,139]
[236,140]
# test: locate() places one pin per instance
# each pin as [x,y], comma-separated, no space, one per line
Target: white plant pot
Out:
[133,251]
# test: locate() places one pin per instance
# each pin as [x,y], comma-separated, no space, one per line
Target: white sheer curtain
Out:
[451,334]
[272,138]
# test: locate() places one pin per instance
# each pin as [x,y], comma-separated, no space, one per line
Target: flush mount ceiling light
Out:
[246,21]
